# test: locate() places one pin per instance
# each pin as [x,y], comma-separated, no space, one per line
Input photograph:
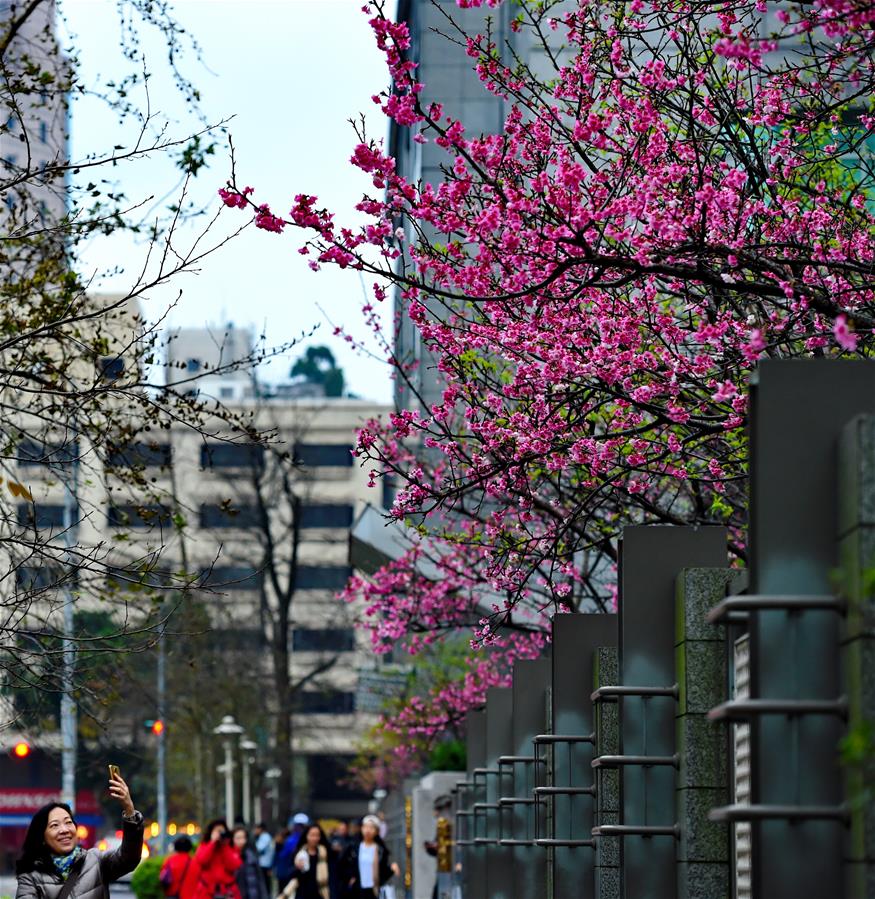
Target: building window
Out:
[43,577]
[139,454]
[43,132]
[330,639]
[329,778]
[232,455]
[325,702]
[326,516]
[44,515]
[316,455]
[111,368]
[32,452]
[232,577]
[192,366]
[130,516]
[226,393]
[322,577]
[226,515]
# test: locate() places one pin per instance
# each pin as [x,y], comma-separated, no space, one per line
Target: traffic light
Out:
[158,727]
[21,750]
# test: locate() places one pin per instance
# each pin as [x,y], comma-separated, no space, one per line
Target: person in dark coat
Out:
[51,853]
[366,864]
[250,880]
[315,868]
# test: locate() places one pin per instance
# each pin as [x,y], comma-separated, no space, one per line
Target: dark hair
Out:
[241,828]
[182,844]
[323,840]
[261,825]
[208,830]
[34,852]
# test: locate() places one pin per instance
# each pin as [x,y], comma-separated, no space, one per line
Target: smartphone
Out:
[114,772]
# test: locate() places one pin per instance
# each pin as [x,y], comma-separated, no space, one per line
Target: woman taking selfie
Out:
[216,864]
[54,866]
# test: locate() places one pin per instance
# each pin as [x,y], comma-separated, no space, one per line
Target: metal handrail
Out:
[740,709]
[505,801]
[565,791]
[780,813]
[547,739]
[519,760]
[642,830]
[789,603]
[548,842]
[644,761]
[609,692]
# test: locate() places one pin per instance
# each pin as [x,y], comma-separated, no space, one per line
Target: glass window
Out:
[329,778]
[232,455]
[43,132]
[192,366]
[324,702]
[315,455]
[33,452]
[139,454]
[330,639]
[326,516]
[111,368]
[213,515]
[322,577]
[232,577]
[43,515]
[131,516]
[44,577]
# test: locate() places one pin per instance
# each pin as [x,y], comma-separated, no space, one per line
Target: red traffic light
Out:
[21,750]
[158,727]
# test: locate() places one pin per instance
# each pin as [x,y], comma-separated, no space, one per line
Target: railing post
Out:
[703,776]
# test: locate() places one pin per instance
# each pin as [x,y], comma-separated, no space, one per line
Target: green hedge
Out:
[145,882]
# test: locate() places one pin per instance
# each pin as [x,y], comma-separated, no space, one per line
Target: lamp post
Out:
[248,748]
[273,776]
[228,730]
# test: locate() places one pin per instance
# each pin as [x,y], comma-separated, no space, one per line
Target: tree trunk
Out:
[283,729]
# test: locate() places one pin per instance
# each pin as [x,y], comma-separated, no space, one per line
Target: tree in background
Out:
[677,192]
[318,366]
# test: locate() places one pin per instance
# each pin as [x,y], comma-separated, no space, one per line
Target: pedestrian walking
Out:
[339,838]
[216,863]
[285,856]
[177,873]
[250,880]
[54,866]
[315,865]
[367,866]
[264,847]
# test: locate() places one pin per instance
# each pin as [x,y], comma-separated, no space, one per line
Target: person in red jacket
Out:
[177,872]
[217,864]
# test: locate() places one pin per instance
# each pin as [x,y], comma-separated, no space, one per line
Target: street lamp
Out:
[273,775]
[248,748]
[228,730]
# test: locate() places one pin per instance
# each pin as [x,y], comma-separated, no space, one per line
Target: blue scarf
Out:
[64,863]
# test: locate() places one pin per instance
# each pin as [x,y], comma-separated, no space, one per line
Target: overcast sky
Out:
[291,73]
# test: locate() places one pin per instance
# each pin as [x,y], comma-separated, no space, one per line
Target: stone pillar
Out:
[703,780]
[857,558]
[606,672]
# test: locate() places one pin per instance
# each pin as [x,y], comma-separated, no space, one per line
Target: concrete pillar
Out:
[423,795]
[703,778]
[606,672]
[857,559]
[499,742]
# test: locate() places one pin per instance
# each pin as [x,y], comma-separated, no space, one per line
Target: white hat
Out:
[301,818]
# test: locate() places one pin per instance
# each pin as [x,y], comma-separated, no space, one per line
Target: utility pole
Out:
[69,715]
[161,736]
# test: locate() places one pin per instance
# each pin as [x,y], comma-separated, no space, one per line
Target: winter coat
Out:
[97,870]
[349,867]
[217,865]
[250,880]
[183,879]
